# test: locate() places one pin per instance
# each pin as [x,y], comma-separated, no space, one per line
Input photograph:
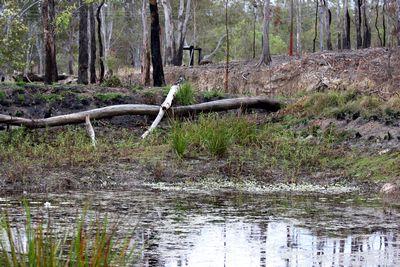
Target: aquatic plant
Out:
[90,244]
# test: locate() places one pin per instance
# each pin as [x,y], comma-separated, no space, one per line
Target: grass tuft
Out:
[185,95]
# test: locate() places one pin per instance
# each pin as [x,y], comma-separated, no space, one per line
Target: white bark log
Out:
[90,131]
[164,107]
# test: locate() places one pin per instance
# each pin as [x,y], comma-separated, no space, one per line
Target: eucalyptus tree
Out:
[266,53]
[48,15]
[156,58]
[83,59]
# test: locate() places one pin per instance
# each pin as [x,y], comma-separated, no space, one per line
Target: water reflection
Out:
[238,230]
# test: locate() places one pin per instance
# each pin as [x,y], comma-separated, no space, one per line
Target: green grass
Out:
[49,98]
[185,95]
[179,140]
[89,244]
[211,94]
[107,97]
[346,105]
[3,96]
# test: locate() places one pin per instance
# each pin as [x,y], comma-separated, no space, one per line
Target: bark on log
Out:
[163,108]
[259,102]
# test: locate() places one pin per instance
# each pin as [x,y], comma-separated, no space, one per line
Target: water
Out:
[231,229]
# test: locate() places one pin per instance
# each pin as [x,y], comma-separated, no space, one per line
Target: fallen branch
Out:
[90,130]
[259,102]
[163,108]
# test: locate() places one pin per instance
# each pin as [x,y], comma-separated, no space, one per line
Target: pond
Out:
[234,229]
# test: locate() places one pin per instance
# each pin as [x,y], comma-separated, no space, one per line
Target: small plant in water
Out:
[179,139]
[37,245]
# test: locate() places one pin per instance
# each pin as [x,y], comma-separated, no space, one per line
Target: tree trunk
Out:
[145,68]
[183,19]
[338,26]
[92,44]
[358,19]
[99,37]
[107,31]
[376,23]
[346,25]
[398,22]
[83,58]
[321,26]
[156,58]
[169,32]
[291,27]
[298,28]
[384,22]
[366,28]
[266,54]
[315,25]
[226,80]
[328,22]
[48,14]
[39,49]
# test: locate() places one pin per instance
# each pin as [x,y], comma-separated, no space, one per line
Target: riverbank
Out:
[330,138]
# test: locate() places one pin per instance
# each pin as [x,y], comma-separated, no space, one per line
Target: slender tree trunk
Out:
[169,32]
[266,54]
[346,25]
[384,22]
[92,44]
[328,22]
[145,68]
[315,25]
[398,22]
[183,19]
[298,28]
[226,80]
[366,28]
[376,23]
[338,26]
[156,58]
[39,49]
[83,59]
[99,37]
[291,29]
[321,26]
[254,29]
[48,14]
[71,57]
[358,19]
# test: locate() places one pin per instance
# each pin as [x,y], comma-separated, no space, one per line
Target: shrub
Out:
[323,103]
[112,81]
[185,95]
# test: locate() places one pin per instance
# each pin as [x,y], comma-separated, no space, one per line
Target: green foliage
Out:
[112,81]
[212,94]
[185,95]
[21,98]
[13,41]
[375,168]
[212,133]
[90,244]
[49,98]
[277,45]
[107,97]
[179,139]
[3,96]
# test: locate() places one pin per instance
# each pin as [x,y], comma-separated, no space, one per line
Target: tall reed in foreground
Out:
[89,244]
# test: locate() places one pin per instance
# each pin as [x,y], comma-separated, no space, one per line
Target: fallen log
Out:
[259,102]
[32,77]
[163,108]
